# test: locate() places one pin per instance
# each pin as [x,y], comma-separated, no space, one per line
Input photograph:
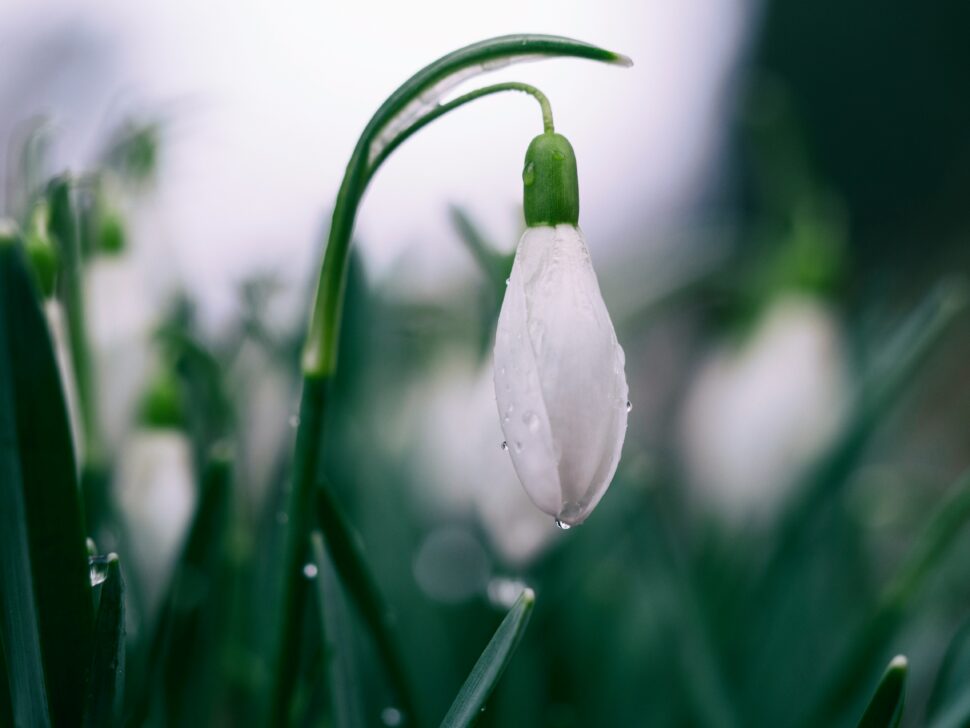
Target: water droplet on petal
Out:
[531,420]
[505,445]
[294,421]
[310,571]
[391,716]
[562,525]
[507,281]
[629,405]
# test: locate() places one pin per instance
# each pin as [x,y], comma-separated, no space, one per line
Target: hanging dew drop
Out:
[310,571]
[529,174]
[507,281]
[391,716]
[98,568]
[562,525]
[629,406]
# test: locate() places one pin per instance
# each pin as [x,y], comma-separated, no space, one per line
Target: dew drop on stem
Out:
[98,567]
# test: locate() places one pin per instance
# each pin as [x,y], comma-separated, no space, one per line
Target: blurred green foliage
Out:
[852,156]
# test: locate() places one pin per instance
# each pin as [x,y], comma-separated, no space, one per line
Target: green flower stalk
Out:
[41,251]
[411,107]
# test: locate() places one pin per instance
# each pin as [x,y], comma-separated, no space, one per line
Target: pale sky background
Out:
[267,99]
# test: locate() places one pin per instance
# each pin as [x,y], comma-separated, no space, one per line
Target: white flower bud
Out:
[559,375]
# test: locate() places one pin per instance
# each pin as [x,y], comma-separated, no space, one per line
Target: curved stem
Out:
[405,105]
[399,116]
[439,111]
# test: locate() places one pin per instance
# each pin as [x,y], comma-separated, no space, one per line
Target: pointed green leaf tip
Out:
[621,60]
[492,663]
[885,710]
[550,184]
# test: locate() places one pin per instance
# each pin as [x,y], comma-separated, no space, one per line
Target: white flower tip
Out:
[559,376]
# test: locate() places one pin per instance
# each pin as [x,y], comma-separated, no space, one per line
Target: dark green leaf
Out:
[952,686]
[187,641]
[38,453]
[931,547]
[490,666]
[895,370]
[347,552]
[65,229]
[19,634]
[338,634]
[108,662]
[886,707]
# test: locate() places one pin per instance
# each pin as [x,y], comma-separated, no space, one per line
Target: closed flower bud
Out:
[559,371]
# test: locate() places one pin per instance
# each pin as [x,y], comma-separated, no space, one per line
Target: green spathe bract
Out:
[550,185]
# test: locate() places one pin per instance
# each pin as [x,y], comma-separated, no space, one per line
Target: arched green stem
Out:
[442,109]
[413,105]
[399,112]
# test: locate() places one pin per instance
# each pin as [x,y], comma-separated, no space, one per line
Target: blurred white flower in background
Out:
[121,316]
[458,456]
[265,399]
[757,414]
[155,490]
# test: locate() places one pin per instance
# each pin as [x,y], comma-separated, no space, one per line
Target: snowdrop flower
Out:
[758,414]
[559,371]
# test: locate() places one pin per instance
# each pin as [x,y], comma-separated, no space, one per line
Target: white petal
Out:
[757,415]
[559,375]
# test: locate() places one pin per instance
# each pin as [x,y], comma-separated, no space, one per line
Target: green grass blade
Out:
[346,550]
[107,679]
[931,547]
[187,640]
[39,454]
[6,708]
[337,634]
[66,229]
[952,685]
[955,714]
[885,710]
[19,634]
[490,666]
[895,370]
